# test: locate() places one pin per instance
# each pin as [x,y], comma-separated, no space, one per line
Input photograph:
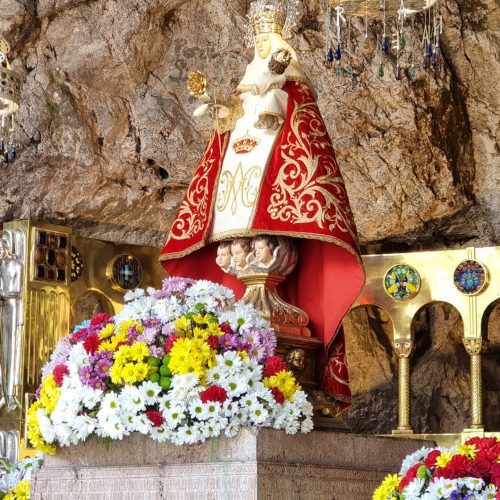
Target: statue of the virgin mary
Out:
[270,169]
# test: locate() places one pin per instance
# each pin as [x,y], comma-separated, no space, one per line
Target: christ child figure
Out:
[224,258]
[240,250]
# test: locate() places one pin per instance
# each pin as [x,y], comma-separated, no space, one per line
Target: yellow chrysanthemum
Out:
[34,433]
[214,329]
[142,371]
[49,394]
[107,331]
[139,351]
[443,459]
[285,382]
[128,373]
[201,320]
[243,355]
[116,373]
[190,355]
[20,492]
[181,324]
[111,344]
[388,488]
[468,450]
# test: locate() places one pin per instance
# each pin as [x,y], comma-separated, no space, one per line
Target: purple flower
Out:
[268,341]
[171,286]
[228,341]
[86,374]
[132,333]
[102,367]
[151,322]
[148,335]
[168,329]
[157,352]
[256,351]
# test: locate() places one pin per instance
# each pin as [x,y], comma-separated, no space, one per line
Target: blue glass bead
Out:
[429,51]
[338,53]
[385,45]
[329,55]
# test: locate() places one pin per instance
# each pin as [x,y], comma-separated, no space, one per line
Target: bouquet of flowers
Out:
[180,364]
[15,482]
[471,471]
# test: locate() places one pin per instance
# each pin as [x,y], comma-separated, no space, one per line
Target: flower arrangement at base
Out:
[179,364]
[470,471]
[15,482]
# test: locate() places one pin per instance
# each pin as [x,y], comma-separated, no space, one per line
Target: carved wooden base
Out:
[284,318]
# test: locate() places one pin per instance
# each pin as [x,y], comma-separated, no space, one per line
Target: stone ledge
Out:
[263,464]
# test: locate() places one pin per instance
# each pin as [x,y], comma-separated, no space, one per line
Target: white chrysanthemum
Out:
[174,416]
[489,493]
[91,397]
[413,490]
[186,382]
[187,435]
[292,427]
[235,385]
[84,426]
[150,391]
[229,362]
[133,294]
[110,405]
[229,408]
[306,425]
[132,399]
[167,309]
[64,434]
[198,410]
[232,428]
[240,418]
[113,427]
[471,483]
[160,434]
[78,357]
[140,423]
[257,414]
[214,426]
[412,459]
[441,487]
[215,375]
[46,428]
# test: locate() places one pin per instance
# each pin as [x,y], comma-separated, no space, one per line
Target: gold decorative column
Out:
[474,347]
[403,348]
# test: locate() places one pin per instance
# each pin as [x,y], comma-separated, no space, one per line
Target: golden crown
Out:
[272,16]
[268,19]
[245,144]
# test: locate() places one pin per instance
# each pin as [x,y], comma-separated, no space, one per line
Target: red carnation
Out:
[457,467]
[480,468]
[170,342]
[492,454]
[100,319]
[495,474]
[482,443]
[79,335]
[155,417]
[213,341]
[273,366]
[409,477]
[278,395]
[91,343]
[214,393]
[430,461]
[59,372]
[226,328]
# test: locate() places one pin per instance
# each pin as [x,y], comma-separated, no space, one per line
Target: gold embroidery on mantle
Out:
[192,215]
[300,196]
[237,188]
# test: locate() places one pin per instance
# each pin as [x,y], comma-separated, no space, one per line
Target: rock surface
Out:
[108,144]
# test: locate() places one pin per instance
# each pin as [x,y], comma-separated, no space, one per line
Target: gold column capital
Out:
[474,345]
[403,347]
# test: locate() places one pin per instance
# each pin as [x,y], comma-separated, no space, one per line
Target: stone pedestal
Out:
[263,464]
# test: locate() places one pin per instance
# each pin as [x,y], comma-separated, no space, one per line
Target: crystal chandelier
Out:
[10,96]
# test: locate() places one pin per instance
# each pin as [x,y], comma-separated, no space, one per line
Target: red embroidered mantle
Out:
[302,196]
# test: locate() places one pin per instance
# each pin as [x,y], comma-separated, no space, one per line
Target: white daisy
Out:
[46,428]
[306,425]
[187,435]
[257,414]
[141,423]
[441,487]
[132,399]
[413,489]
[114,428]
[83,426]
[150,391]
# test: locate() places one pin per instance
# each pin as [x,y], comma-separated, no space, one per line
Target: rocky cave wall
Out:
[108,144]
